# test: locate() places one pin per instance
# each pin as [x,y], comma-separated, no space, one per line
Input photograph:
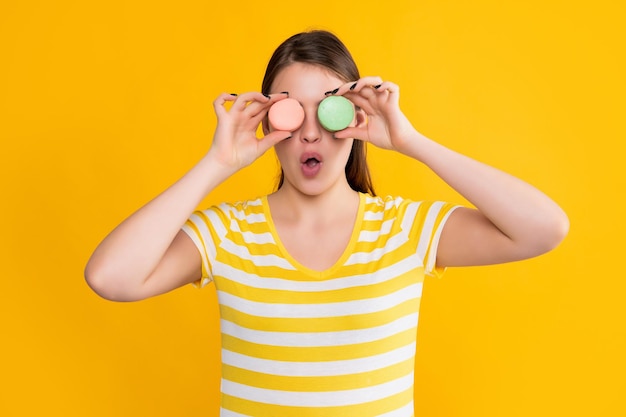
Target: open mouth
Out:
[310,158]
[311,163]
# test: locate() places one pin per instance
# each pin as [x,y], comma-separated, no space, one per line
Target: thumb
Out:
[273,138]
[351,132]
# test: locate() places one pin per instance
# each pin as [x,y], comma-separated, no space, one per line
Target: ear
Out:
[360,116]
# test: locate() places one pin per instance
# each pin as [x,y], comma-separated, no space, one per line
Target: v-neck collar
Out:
[348,250]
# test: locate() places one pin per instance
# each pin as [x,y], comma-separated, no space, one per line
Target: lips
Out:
[311,163]
[309,157]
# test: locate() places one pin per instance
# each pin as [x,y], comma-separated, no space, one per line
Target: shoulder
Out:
[221,216]
[409,212]
[384,203]
[236,209]
[396,204]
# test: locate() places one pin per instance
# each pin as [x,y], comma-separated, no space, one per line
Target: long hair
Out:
[322,48]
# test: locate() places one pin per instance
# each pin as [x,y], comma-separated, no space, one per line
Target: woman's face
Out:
[312,160]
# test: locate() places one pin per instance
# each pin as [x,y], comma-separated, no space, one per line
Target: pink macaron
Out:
[286,114]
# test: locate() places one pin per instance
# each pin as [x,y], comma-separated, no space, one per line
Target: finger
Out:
[362,102]
[388,89]
[356,86]
[272,139]
[221,100]
[243,100]
[256,108]
[352,132]
[369,97]
[387,86]
[365,84]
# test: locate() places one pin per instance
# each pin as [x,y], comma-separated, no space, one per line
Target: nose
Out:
[311,130]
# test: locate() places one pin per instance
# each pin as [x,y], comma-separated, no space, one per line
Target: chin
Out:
[312,191]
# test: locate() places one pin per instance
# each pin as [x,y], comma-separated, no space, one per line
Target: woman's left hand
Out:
[386,126]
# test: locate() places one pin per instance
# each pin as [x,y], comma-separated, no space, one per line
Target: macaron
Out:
[286,114]
[335,113]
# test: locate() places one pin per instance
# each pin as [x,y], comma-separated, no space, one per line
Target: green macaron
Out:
[335,113]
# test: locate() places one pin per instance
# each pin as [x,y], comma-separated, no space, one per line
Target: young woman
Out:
[319,283]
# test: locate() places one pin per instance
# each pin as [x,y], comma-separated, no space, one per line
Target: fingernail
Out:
[285,92]
[233,94]
[328,93]
[334,91]
[267,95]
[377,86]
[352,86]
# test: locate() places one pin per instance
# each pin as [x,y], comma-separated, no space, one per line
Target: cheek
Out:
[347,146]
[282,151]
[343,150]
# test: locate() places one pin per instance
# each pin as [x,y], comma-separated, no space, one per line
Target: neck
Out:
[291,203]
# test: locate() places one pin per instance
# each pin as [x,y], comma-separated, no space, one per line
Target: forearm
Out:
[134,248]
[520,211]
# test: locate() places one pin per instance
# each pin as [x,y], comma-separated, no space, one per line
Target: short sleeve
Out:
[429,221]
[200,227]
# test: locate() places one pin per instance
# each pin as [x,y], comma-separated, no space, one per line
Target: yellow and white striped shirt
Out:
[299,342]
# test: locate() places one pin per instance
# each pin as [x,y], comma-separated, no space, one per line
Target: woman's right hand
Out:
[147,254]
[235,143]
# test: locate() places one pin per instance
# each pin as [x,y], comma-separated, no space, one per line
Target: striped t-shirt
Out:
[298,342]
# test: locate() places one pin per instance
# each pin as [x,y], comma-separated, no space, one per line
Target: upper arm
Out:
[469,238]
[179,266]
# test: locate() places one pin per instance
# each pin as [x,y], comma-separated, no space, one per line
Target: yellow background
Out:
[103,104]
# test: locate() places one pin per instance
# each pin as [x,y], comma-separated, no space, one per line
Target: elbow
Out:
[99,283]
[106,285]
[552,232]
[559,229]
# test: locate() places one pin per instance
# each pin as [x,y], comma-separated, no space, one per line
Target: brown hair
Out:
[322,48]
